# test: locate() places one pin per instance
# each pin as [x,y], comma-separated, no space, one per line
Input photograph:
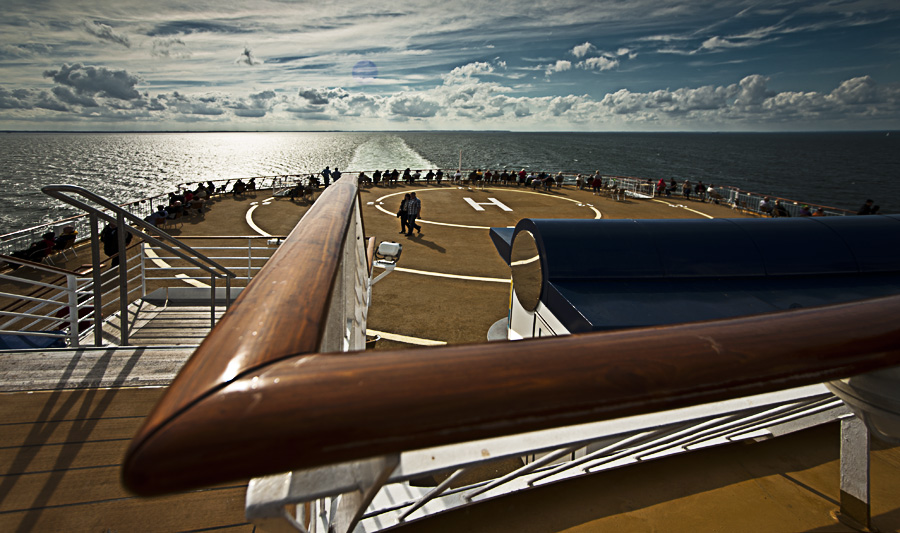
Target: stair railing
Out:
[127,223]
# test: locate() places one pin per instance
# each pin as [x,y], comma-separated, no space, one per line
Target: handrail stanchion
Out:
[98,281]
[212,300]
[122,258]
[72,291]
[249,259]
[143,269]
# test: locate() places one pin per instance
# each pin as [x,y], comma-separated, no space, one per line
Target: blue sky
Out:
[562,65]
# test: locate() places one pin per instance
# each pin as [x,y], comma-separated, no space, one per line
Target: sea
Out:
[839,169]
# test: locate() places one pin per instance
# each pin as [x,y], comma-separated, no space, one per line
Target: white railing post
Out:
[143,257]
[72,291]
[855,444]
[249,259]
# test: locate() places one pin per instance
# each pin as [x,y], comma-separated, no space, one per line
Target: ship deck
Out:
[64,438]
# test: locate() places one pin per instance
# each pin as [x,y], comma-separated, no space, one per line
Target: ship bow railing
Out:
[272,389]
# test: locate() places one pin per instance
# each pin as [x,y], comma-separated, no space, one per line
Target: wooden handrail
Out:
[256,398]
[281,313]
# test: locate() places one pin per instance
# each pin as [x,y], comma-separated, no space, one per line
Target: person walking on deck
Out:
[413,209]
[402,215]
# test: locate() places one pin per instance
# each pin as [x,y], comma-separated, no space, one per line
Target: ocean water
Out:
[832,169]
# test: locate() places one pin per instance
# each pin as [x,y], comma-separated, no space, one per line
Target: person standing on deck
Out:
[326,176]
[413,209]
[401,214]
[109,237]
[439,177]
[336,175]
[866,208]
[765,207]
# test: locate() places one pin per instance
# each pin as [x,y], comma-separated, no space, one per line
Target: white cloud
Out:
[599,63]
[465,73]
[582,50]
[560,66]
[106,33]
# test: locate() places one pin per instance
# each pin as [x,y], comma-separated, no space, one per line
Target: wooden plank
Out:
[61,487]
[19,407]
[90,368]
[214,510]
[61,432]
[49,458]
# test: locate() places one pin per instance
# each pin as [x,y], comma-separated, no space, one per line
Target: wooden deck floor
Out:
[60,453]
[64,433]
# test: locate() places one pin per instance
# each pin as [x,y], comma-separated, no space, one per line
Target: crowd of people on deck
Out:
[182,203]
[49,244]
[195,201]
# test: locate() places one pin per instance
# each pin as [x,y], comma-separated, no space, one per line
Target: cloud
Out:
[247,58]
[413,106]
[582,50]
[101,81]
[17,99]
[321,97]
[861,91]
[465,73]
[599,63]
[559,66]
[106,33]
[170,47]
[16,51]
[187,27]
[606,60]
[718,43]
[65,95]
[753,90]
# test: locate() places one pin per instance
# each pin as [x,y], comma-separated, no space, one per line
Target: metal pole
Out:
[143,270]
[98,282]
[72,290]
[123,279]
[212,301]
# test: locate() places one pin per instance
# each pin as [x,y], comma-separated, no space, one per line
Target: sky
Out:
[560,65]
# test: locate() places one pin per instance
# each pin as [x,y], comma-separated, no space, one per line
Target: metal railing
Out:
[52,310]
[247,257]
[127,279]
[280,338]
[416,484]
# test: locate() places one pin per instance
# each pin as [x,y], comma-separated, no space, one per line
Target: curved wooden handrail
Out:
[317,409]
[281,313]
[256,398]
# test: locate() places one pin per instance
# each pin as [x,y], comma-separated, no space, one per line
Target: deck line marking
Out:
[684,207]
[162,264]
[249,218]
[597,213]
[452,276]
[404,338]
